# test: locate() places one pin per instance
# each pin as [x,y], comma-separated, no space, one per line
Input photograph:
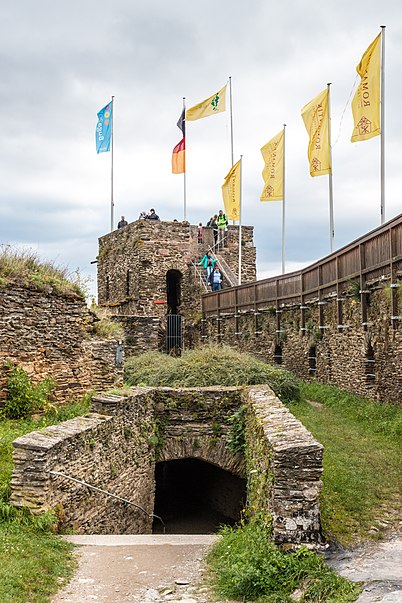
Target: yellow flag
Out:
[366,101]
[231,193]
[316,119]
[272,173]
[214,104]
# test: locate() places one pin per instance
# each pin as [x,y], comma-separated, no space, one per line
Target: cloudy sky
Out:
[61,62]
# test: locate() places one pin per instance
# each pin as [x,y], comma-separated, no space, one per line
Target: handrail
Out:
[128,502]
[362,259]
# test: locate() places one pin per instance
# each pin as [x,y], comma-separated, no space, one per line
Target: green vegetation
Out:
[105,327]
[362,480]
[23,267]
[206,366]
[246,565]
[33,561]
[23,397]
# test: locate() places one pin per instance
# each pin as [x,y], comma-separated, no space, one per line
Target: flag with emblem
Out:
[103,131]
[272,173]
[231,192]
[316,119]
[214,104]
[366,101]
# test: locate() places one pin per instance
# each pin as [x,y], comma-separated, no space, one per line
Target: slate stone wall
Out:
[366,362]
[133,263]
[116,447]
[48,334]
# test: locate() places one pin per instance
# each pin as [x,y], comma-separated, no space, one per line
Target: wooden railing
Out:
[375,256]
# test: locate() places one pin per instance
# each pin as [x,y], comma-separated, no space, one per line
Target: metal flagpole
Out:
[331,192]
[283,205]
[382,117]
[231,122]
[111,173]
[240,209]
[231,119]
[185,167]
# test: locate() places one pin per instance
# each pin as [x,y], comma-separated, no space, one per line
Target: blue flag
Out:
[104,128]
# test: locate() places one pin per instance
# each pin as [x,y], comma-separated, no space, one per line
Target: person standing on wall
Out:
[123,222]
[222,223]
[152,215]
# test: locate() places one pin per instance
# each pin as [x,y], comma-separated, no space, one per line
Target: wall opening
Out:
[278,354]
[107,289]
[196,497]
[312,360]
[173,291]
[128,280]
[370,365]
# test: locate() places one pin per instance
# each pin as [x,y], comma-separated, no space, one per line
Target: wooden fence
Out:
[375,256]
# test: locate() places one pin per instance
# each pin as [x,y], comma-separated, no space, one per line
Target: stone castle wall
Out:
[364,362]
[48,334]
[116,448]
[133,263]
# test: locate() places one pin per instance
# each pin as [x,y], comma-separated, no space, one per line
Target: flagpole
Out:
[330,184]
[240,210]
[231,119]
[111,173]
[382,134]
[185,167]
[283,205]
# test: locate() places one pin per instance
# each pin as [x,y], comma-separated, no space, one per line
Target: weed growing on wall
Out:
[23,397]
[236,437]
[23,267]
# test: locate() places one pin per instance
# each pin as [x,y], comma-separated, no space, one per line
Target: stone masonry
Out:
[116,447]
[48,334]
[364,362]
[134,264]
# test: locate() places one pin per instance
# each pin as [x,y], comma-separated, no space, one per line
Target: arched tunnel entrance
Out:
[196,497]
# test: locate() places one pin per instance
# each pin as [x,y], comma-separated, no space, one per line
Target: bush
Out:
[24,397]
[246,565]
[206,366]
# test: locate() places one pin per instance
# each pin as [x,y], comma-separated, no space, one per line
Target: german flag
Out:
[179,157]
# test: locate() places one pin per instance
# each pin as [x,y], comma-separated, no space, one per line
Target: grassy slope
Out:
[362,467]
[33,561]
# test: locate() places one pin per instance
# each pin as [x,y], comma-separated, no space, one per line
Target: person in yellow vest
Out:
[222,223]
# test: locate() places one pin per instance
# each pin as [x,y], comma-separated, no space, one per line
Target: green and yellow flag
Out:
[231,192]
[214,104]
[272,173]
[316,119]
[366,101]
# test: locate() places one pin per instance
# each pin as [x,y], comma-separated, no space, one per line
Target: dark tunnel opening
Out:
[196,497]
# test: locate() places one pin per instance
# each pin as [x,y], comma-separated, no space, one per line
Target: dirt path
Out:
[161,569]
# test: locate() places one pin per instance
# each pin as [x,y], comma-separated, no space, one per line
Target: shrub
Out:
[24,397]
[206,366]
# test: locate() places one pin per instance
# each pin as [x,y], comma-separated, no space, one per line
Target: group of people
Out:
[151,215]
[219,224]
[212,273]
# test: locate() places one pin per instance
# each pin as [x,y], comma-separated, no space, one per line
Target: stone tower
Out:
[148,273]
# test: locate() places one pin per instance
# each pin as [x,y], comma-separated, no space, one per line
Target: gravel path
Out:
[161,569]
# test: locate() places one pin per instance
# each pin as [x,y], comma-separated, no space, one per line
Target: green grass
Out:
[362,480]
[33,561]
[245,565]
[206,366]
[23,267]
